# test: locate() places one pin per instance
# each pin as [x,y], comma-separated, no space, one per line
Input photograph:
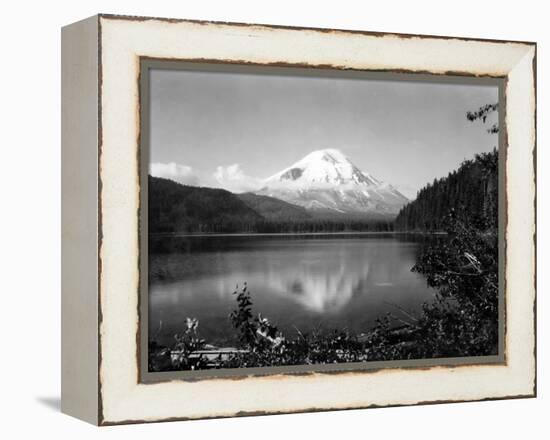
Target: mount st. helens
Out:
[323,192]
[327,181]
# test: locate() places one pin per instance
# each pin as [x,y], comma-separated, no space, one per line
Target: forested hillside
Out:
[180,208]
[471,192]
[272,209]
[176,208]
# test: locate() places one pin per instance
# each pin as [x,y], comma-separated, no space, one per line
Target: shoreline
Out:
[275,234]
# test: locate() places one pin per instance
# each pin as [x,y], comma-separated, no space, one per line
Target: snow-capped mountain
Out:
[326,180]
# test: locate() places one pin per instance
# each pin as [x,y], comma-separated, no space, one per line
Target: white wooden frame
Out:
[101,194]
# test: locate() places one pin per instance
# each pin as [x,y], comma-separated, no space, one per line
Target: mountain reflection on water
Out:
[299,283]
[318,286]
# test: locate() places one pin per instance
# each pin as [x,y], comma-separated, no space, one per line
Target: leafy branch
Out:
[482,114]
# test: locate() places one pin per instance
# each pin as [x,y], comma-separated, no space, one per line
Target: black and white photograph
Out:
[306,219]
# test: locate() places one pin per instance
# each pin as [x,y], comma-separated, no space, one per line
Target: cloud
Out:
[173,171]
[233,178]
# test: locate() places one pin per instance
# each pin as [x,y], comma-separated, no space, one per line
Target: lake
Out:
[297,281]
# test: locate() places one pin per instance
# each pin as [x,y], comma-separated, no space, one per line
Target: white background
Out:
[30,217]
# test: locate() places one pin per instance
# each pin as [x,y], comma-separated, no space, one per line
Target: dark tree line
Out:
[176,208]
[324,225]
[180,208]
[471,192]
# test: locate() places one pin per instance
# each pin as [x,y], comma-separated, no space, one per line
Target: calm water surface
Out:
[298,282]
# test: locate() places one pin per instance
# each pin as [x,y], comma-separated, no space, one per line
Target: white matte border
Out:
[123,399]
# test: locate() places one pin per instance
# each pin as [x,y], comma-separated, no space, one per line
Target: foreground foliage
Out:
[462,320]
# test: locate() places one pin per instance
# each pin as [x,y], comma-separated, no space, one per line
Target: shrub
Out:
[462,320]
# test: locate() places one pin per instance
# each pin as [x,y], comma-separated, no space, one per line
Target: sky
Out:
[231,130]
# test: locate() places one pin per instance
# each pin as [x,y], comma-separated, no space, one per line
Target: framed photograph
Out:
[263,219]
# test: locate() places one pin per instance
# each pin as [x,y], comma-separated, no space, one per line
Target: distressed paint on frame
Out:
[101,274]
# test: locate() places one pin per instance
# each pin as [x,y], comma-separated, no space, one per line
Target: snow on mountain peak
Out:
[321,169]
[327,180]
[328,154]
